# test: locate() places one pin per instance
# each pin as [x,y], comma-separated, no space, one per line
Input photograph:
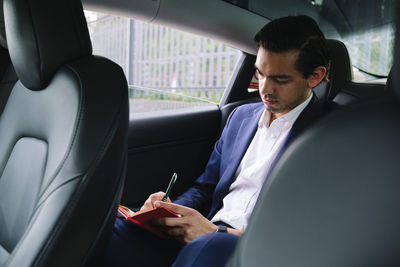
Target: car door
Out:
[163,142]
[182,88]
[166,142]
[181,140]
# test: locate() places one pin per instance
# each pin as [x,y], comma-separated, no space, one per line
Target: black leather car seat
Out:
[389,82]
[340,71]
[313,213]
[342,89]
[63,138]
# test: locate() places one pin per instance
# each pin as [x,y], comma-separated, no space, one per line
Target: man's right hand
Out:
[149,203]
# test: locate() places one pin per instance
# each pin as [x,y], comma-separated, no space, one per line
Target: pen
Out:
[171,184]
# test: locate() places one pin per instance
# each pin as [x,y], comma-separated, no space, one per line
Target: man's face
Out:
[281,86]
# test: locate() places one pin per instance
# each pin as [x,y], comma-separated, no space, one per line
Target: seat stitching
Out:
[78,119]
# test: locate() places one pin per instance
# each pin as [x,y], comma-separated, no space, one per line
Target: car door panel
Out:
[161,143]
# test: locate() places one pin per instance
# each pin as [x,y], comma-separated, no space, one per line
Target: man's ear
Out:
[316,76]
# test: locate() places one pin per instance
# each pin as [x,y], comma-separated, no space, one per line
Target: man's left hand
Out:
[190,225]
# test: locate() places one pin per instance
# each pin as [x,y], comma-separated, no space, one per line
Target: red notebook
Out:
[143,218]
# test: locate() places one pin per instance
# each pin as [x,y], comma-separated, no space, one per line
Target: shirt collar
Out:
[289,117]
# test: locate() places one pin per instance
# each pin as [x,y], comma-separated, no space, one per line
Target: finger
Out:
[175,231]
[179,234]
[176,208]
[157,197]
[149,203]
[171,221]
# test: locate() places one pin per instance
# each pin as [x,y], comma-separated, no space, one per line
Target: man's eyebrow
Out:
[280,76]
[275,76]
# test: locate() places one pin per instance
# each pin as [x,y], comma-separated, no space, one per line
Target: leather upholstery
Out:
[355,92]
[311,213]
[7,73]
[341,68]
[3,41]
[63,148]
[389,82]
[341,89]
[8,77]
[45,35]
[341,71]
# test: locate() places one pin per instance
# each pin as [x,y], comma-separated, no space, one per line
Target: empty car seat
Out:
[63,138]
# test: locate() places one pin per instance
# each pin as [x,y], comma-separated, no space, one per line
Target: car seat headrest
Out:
[389,82]
[341,71]
[43,36]
[341,68]
[393,80]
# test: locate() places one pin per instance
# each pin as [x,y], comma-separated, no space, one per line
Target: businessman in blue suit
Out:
[292,58]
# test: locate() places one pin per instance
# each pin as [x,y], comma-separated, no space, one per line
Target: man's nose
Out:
[266,87]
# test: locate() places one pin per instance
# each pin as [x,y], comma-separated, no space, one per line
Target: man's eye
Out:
[259,74]
[281,81]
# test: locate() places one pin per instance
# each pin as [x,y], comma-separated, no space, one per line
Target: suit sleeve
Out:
[199,196]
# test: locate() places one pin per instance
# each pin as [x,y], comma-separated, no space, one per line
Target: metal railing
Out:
[203,95]
[162,58]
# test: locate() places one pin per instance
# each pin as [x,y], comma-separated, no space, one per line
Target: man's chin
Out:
[273,109]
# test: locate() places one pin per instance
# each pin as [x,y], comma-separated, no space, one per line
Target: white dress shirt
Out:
[238,204]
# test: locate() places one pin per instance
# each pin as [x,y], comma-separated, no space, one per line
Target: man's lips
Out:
[270,101]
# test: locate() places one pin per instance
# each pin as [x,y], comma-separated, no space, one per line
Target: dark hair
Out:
[299,33]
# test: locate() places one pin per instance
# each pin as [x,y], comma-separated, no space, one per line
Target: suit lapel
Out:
[243,139]
[312,112]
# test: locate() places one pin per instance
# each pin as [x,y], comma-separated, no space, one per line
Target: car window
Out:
[371,50]
[368,32]
[165,68]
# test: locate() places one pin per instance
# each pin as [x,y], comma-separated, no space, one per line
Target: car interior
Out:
[71,151]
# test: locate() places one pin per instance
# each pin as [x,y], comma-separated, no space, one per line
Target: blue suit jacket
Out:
[212,186]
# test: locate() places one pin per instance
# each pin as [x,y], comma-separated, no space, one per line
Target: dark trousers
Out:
[210,250]
[132,246]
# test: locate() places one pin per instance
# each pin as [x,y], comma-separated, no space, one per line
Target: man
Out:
[292,58]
